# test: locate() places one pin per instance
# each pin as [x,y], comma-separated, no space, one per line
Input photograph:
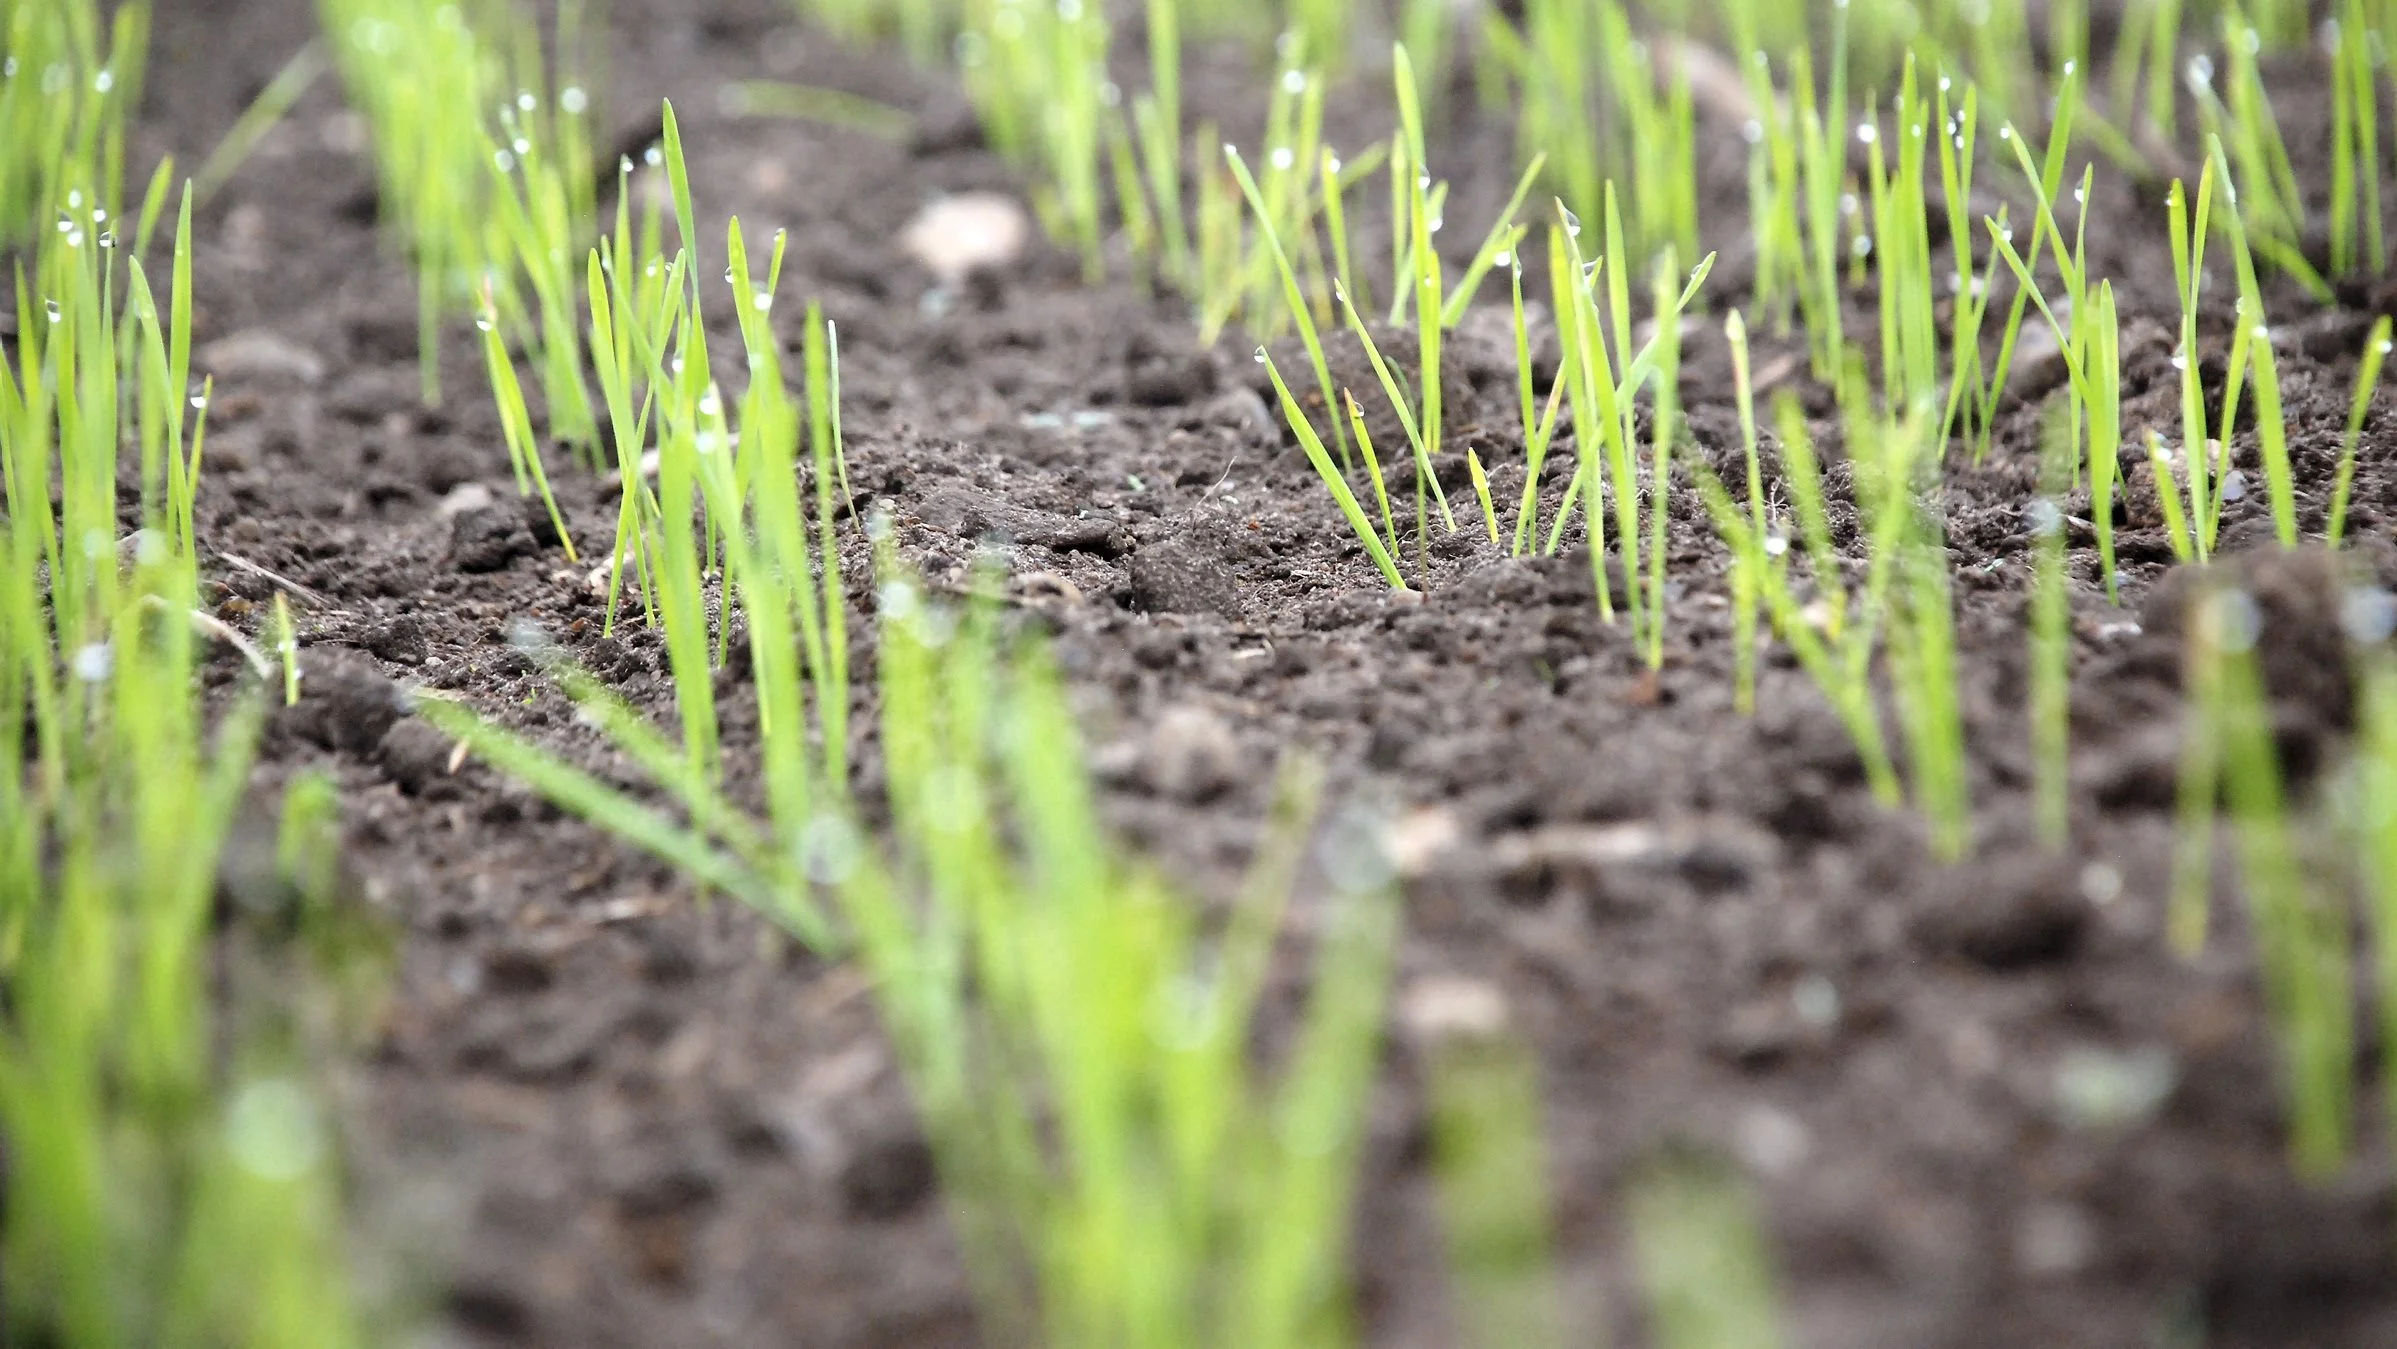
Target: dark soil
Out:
[604,1113]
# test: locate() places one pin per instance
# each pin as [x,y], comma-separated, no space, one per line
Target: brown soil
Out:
[602,1113]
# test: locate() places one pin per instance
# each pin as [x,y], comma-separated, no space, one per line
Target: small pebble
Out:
[255,354]
[1191,755]
[959,235]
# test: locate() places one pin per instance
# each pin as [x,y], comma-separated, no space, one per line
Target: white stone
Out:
[966,233]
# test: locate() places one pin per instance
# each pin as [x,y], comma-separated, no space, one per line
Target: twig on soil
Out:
[243,564]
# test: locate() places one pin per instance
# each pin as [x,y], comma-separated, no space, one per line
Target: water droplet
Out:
[710,404]
[1775,545]
[764,300]
[505,161]
[1867,132]
[523,146]
[2006,131]
[104,81]
[94,662]
[1260,355]
[1356,854]
[525,101]
[1294,81]
[199,402]
[1572,222]
[624,166]
[831,849]
[1815,999]
[272,1130]
[2237,620]
[75,238]
[573,100]
[484,322]
[653,156]
[1282,158]
[897,600]
[108,239]
[1752,131]
[1339,293]
[51,306]
[1504,258]
[2369,614]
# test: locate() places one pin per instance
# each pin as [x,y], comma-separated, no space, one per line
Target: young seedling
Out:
[1038,76]
[1489,1159]
[1606,432]
[1605,119]
[2272,430]
[1765,549]
[2367,380]
[265,112]
[1957,131]
[1702,1256]
[2051,652]
[2229,754]
[1171,1174]
[2355,194]
[2201,484]
[1293,295]
[2244,123]
[1908,595]
[2146,65]
[1539,431]
[2046,181]
[136,1095]
[1850,695]
[76,72]
[1333,478]
[1775,219]
[2376,829]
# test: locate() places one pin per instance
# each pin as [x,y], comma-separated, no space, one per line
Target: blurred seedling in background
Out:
[138,1148]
